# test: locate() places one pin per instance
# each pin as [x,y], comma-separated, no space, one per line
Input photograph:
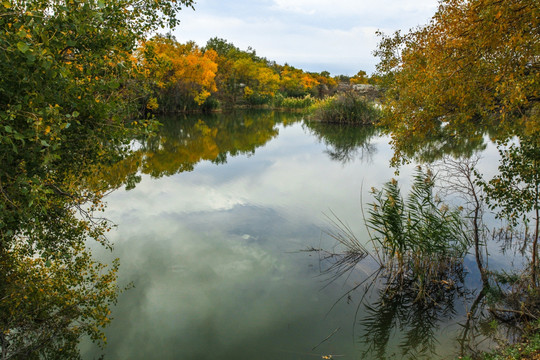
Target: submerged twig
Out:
[326,338]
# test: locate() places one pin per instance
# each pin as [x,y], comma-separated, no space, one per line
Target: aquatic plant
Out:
[420,237]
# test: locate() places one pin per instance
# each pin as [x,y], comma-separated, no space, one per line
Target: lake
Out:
[213,239]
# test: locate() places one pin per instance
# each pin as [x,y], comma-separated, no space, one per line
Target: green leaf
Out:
[18,136]
[8,129]
[23,47]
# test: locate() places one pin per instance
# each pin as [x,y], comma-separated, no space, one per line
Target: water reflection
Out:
[430,146]
[210,238]
[184,141]
[213,250]
[345,142]
[399,325]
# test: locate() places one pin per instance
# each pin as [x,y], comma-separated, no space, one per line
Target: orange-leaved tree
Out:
[182,74]
[296,83]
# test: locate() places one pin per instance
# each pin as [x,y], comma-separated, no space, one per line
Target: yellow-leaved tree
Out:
[182,74]
[475,65]
[259,82]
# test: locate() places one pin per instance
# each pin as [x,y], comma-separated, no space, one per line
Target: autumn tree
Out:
[67,103]
[360,78]
[258,82]
[243,77]
[474,65]
[473,70]
[297,83]
[183,75]
[327,84]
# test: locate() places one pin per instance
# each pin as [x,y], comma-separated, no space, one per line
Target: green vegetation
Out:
[419,238]
[348,107]
[527,348]
[68,101]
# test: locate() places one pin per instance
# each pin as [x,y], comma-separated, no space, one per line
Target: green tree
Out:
[515,191]
[68,98]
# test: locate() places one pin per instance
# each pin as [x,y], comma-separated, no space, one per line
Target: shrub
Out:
[346,107]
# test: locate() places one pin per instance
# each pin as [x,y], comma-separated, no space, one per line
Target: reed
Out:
[420,237]
[293,102]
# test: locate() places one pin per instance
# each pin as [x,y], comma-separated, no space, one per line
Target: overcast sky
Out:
[314,35]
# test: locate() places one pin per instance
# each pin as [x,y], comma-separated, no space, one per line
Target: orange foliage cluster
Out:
[187,77]
[182,68]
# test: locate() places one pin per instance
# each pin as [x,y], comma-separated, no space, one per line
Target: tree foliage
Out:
[475,64]
[182,74]
[67,100]
[245,78]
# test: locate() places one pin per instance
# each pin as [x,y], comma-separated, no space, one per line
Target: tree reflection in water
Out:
[345,142]
[398,324]
[185,141]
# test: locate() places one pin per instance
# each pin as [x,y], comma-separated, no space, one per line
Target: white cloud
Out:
[316,35]
[349,8]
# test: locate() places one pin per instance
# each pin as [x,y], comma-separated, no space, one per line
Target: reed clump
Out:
[419,238]
[348,107]
[293,103]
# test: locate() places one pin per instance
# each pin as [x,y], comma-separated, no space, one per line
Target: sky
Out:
[314,35]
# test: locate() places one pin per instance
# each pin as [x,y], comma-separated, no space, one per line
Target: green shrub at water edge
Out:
[347,107]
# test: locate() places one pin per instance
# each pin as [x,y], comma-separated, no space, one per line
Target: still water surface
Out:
[212,238]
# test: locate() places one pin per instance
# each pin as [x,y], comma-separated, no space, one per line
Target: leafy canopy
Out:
[474,65]
[67,101]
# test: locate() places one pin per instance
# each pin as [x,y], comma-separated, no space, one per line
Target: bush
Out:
[298,103]
[293,102]
[346,107]
[210,104]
